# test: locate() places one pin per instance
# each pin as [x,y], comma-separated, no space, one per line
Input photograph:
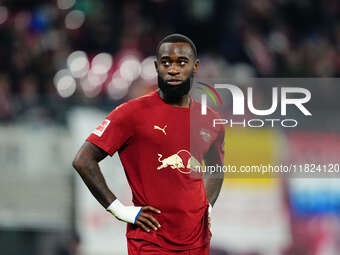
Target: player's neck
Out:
[180,102]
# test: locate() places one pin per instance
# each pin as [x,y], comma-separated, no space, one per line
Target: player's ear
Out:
[156,65]
[196,65]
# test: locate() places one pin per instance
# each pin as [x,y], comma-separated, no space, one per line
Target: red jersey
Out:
[153,142]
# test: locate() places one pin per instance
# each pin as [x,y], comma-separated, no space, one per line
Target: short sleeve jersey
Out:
[153,142]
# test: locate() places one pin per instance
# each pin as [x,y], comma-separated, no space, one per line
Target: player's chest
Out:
[171,131]
[164,130]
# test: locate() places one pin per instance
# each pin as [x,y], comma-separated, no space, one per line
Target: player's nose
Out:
[173,70]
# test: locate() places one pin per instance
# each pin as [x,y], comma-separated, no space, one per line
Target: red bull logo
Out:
[175,161]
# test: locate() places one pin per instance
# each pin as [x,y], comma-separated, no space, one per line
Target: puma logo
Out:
[159,128]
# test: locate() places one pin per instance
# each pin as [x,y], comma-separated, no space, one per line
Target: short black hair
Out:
[174,38]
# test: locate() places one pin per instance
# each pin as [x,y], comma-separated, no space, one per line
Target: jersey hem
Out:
[172,247]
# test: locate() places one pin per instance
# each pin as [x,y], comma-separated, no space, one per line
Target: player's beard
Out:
[174,93]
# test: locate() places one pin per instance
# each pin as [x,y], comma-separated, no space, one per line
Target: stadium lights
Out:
[64,83]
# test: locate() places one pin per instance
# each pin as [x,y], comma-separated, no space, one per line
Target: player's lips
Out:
[174,82]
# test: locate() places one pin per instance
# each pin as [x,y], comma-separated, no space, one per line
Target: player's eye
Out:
[182,63]
[166,63]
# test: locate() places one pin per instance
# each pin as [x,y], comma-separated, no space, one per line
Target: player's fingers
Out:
[150,208]
[152,219]
[146,221]
[140,224]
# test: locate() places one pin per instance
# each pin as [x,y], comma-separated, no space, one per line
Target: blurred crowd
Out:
[262,38]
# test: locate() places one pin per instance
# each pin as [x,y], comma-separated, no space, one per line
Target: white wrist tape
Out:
[125,213]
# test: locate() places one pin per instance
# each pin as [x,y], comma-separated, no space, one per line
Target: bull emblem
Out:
[175,162]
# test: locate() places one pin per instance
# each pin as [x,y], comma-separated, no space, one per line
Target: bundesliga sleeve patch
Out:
[101,128]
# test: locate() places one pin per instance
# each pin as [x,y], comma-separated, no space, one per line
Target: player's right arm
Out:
[86,164]
[106,140]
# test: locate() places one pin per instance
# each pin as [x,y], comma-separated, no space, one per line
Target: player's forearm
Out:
[94,180]
[213,188]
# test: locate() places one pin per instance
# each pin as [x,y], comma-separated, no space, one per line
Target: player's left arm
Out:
[214,180]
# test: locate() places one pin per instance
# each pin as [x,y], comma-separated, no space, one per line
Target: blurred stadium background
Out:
[66,63]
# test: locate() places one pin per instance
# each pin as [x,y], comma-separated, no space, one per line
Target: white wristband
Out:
[128,214]
[209,208]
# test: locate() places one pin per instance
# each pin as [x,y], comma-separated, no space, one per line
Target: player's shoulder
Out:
[214,114]
[206,120]
[136,105]
[145,100]
[210,112]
